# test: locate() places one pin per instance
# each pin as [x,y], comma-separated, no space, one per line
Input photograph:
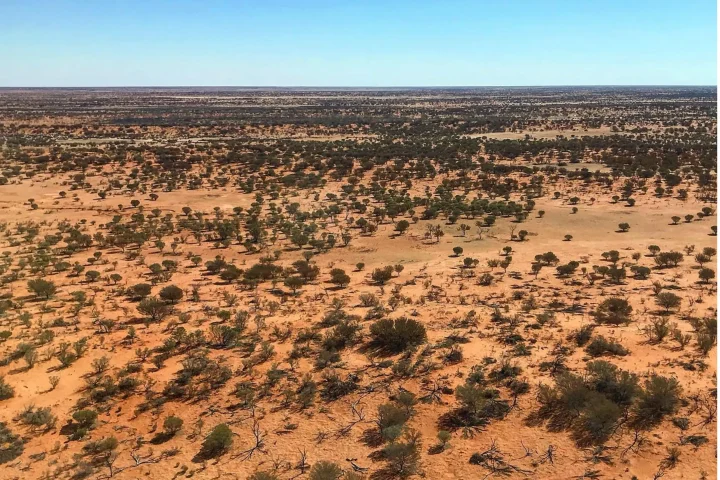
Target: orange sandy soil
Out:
[593,229]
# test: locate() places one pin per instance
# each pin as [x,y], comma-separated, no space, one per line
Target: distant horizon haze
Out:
[348,87]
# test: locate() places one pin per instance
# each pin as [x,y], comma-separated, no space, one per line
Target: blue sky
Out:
[358,43]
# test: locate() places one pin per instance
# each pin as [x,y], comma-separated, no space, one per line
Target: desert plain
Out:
[358,283]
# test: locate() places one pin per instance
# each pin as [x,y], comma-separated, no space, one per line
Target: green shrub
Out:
[591,406]
[391,415]
[667,300]
[583,335]
[601,346]
[172,425]
[394,336]
[660,397]
[598,420]
[262,475]
[85,418]
[640,272]
[171,293]
[6,390]
[382,275]
[403,457]
[369,300]
[325,471]
[478,404]
[706,274]
[618,385]
[42,288]
[38,417]
[141,290]
[658,329]
[102,446]
[154,308]
[217,442]
[335,387]
[339,277]
[342,335]
[402,226]
[11,445]
[669,259]
[613,311]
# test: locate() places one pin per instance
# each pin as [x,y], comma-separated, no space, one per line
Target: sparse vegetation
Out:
[190,278]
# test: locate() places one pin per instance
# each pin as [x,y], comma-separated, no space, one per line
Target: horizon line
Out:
[332,87]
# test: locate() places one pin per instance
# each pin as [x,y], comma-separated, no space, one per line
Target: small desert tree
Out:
[154,308]
[706,274]
[339,277]
[42,288]
[402,226]
[171,293]
[294,283]
[382,275]
[140,290]
[668,300]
